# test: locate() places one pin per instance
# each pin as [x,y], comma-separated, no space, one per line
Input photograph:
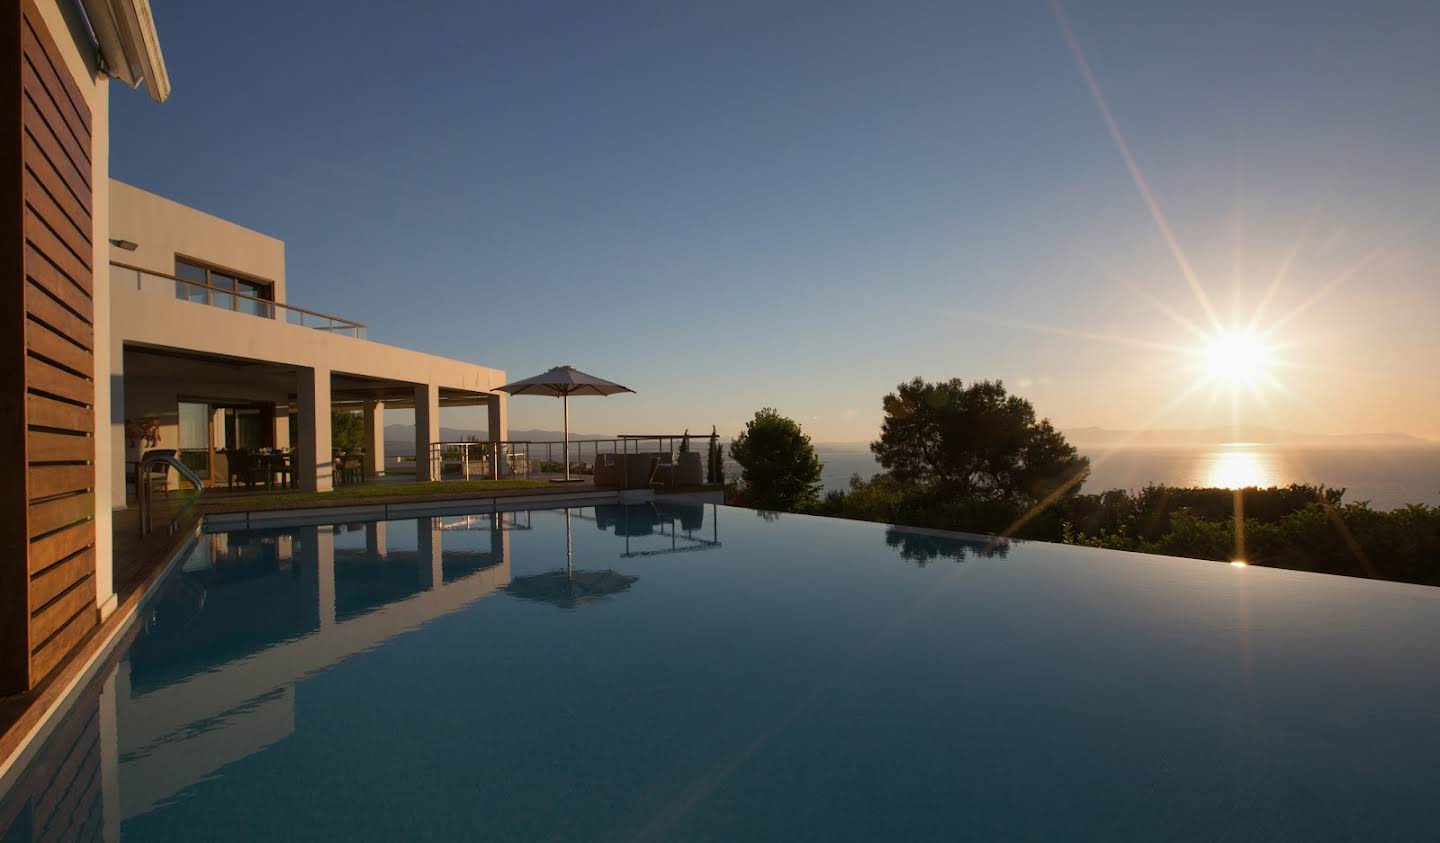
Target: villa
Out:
[137,307]
[203,339]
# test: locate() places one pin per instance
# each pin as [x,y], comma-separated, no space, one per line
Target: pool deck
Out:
[140,562]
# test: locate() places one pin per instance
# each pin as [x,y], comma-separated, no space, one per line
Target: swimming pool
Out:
[674,670]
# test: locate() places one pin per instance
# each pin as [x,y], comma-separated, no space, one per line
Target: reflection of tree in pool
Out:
[924,548]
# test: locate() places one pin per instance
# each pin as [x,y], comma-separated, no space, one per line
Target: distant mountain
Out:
[1098,436]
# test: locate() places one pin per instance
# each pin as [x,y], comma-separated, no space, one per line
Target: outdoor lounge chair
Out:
[607,470]
[662,474]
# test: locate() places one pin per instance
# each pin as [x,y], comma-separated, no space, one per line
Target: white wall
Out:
[163,228]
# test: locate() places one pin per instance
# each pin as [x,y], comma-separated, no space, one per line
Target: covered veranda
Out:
[248,424]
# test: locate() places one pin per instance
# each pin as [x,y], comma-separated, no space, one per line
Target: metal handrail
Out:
[343,324]
[143,491]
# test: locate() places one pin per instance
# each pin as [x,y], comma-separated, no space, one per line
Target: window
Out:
[255,296]
[190,292]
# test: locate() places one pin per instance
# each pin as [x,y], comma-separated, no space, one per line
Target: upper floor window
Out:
[223,288]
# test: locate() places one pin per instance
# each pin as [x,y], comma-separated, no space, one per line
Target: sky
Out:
[800,205]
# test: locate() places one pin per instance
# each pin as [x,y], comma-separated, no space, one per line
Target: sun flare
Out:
[1236,358]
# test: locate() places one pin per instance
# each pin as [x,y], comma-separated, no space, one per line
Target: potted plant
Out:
[142,433]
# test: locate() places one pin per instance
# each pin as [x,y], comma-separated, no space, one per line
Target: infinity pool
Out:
[679,671]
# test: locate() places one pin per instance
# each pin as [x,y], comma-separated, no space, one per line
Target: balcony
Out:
[158,283]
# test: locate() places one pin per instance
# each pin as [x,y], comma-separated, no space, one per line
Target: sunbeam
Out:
[1136,175]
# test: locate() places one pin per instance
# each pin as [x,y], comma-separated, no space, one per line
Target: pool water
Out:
[683,671]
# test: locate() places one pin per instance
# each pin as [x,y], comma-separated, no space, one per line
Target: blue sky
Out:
[728,206]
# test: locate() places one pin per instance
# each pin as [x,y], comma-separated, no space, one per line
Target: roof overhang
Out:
[129,43]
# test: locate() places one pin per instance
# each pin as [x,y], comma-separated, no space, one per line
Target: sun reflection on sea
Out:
[1239,466]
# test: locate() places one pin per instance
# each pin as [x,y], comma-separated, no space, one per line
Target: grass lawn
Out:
[295,500]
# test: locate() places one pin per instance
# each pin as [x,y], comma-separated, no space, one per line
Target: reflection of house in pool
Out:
[312,596]
[680,521]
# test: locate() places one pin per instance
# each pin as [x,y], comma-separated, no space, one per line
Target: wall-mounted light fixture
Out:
[127,245]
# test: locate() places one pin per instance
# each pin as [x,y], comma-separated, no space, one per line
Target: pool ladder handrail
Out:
[143,488]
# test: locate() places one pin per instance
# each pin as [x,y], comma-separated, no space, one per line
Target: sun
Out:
[1236,358]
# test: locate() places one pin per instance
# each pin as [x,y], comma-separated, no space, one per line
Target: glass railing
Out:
[193,291]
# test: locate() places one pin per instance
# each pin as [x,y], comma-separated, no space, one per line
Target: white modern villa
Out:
[203,340]
[125,305]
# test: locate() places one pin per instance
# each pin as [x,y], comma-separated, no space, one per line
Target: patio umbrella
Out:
[562,382]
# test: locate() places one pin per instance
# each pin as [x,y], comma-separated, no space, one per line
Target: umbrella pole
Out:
[565,402]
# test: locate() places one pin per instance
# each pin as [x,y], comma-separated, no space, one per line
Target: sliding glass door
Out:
[195,437]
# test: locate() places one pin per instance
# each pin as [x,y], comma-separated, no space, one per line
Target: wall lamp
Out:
[127,245]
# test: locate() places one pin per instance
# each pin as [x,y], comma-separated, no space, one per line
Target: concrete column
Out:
[429,547]
[282,426]
[427,431]
[109,453]
[118,487]
[104,342]
[376,539]
[374,438]
[499,428]
[314,464]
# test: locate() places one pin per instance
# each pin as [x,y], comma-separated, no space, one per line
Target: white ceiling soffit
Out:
[126,32]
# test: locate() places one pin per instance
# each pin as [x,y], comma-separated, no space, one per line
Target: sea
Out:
[1386,477]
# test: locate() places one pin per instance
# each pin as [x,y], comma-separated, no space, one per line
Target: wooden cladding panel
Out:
[42,306]
[38,168]
[55,615]
[49,278]
[53,581]
[75,234]
[49,412]
[42,341]
[51,379]
[39,233]
[50,653]
[49,515]
[38,96]
[48,481]
[39,48]
[49,314]
[50,549]
[45,446]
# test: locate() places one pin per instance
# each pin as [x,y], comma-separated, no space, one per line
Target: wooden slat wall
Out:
[49,367]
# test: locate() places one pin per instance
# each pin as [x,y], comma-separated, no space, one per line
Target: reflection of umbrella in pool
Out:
[570,588]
